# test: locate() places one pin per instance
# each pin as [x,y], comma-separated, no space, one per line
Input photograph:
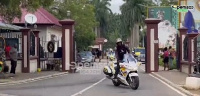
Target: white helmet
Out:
[119,40]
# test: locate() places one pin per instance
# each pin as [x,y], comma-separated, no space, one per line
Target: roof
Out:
[9,26]
[43,17]
[99,40]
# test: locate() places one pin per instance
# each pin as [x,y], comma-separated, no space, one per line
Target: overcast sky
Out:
[115,4]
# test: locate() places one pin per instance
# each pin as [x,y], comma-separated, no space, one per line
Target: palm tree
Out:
[102,12]
[132,18]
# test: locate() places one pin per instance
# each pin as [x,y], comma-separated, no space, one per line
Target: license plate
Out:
[133,74]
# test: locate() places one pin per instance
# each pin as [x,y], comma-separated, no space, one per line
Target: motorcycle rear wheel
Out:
[115,83]
[135,82]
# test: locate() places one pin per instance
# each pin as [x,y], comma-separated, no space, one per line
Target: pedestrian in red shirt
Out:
[8,48]
[166,58]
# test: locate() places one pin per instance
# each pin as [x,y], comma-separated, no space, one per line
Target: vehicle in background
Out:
[86,57]
[140,53]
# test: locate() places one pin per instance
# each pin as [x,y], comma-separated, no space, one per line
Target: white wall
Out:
[33,65]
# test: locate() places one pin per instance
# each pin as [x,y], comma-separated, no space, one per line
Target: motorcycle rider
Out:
[121,49]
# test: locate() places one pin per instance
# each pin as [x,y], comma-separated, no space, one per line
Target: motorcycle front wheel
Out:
[134,84]
[115,83]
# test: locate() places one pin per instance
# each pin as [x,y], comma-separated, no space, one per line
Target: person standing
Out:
[8,48]
[98,53]
[13,58]
[171,57]
[166,58]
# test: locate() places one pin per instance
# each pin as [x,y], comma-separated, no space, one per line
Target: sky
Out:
[115,5]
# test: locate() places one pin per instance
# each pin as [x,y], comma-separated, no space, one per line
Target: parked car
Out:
[140,53]
[86,57]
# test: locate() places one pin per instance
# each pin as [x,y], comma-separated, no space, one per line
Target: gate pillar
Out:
[68,55]
[152,61]
[25,50]
[191,50]
[37,43]
[183,33]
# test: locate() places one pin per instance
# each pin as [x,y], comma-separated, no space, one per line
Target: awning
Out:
[95,46]
[9,26]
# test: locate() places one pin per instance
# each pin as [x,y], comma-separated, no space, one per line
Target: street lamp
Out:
[68,14]
[105,40]
[142,37]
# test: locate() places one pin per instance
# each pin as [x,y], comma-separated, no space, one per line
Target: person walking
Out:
[13,58]
[166,58]
[98,53]
[171,58]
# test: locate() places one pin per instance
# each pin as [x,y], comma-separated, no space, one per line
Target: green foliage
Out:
[168,2]
[102,13]
[84,15]
[9,9]
[162,64]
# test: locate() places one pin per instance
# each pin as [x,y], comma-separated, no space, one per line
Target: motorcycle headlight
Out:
[132,68]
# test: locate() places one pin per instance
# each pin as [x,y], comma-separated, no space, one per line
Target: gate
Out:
[50,61]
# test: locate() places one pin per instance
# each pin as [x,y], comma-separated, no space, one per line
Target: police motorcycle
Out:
[128,74]
[112,56]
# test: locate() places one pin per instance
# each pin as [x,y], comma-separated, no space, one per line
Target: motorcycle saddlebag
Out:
[107,71]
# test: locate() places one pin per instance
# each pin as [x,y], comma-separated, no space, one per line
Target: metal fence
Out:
[48,61]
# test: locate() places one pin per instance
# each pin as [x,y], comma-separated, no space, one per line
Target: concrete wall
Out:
[33,65]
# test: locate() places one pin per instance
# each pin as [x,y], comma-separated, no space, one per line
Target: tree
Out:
[102,12]
[132,17]
[84,15]
[168,2]
[9,9]
[113,30]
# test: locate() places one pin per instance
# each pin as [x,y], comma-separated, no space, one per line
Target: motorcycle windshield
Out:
[129,58]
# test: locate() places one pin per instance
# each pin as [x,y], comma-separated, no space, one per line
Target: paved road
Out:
[73,83]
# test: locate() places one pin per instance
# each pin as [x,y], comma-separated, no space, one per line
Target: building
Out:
[47,25]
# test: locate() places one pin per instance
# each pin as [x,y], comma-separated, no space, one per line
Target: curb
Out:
[33,79]
[178,87]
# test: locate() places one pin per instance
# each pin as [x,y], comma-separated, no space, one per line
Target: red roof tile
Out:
[43,17]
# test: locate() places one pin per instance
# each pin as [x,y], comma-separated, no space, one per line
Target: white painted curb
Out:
[178,87]
[33,79]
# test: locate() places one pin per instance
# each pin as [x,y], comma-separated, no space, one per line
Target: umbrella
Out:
[189,22]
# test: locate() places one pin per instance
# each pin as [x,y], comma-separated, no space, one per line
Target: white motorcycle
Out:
[128,74]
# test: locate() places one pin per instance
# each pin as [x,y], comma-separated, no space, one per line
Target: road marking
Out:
[80,92]
[32,79]
[166,84]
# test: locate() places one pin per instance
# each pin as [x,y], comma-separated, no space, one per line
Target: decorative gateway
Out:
[167,28]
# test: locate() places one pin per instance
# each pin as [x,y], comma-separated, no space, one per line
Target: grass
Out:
[162,64]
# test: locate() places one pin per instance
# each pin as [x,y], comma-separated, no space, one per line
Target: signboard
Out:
[164,13]
[51,46]
[167,28]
